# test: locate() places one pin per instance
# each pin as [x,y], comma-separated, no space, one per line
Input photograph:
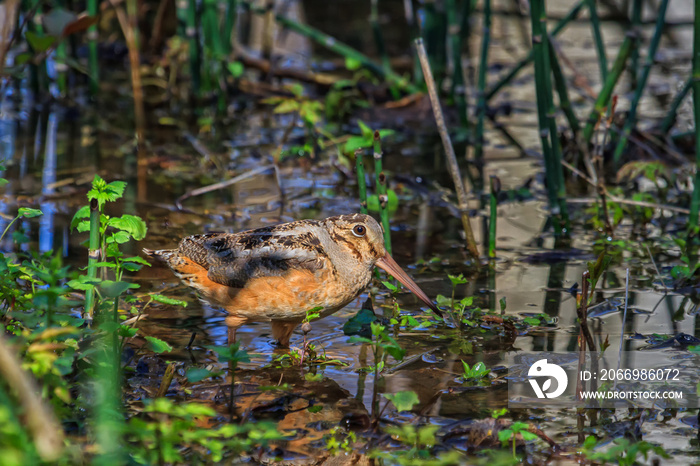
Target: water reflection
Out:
[48,179]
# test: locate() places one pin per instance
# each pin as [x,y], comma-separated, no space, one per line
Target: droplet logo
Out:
[544,369]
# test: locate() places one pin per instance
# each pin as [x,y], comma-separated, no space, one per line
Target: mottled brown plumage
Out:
[278,273]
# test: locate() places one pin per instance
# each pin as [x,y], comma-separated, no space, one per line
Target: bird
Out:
[278,273]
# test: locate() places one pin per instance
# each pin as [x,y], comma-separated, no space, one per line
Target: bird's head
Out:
[361,240]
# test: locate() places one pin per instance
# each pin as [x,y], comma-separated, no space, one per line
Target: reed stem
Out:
[598,39]
[459,90]
[563,91]
[452,165]
[695,201]
[481,97]
[637,27]
[342,49]
[380,178]
[570,16]
[361,180]
[434,32]
[549,136]
[194,52]
[604,97]
[93,255]
[493,214]
[377,33]
[670,118]
[230,25]
[651,54]
[93,63]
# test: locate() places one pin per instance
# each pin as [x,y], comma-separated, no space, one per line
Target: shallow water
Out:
[52,152]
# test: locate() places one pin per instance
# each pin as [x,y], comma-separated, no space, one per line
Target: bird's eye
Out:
[359,230]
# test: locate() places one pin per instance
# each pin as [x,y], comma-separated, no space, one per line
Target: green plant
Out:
[340,439]
[623,452]
[365,139]
[172,433]
[381,344]
[476,373]
[517,429]
[403,401]
[420,441]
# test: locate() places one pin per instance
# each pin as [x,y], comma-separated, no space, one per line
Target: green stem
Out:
[570,16]
[340,48]
[481,97]
[670,118]
[545,113]
[435,35]
[193,40]
[598,38]
[108,416]
[230,25]
[493,213]
[636,26]
[562,91]
[458,86]
[632,116]
[377,33]
[381,191]
[8,227]
[695,201]
[93,255]
[361,183]
[93,36]
[604,97]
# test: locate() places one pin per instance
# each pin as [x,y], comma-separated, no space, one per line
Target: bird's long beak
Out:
[390,266]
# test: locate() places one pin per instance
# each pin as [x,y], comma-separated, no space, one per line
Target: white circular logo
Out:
[544,369]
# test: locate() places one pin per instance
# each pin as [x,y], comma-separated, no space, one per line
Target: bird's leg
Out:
[282,331]
[231,335]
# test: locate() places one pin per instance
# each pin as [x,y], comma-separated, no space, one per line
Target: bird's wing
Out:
[234,259]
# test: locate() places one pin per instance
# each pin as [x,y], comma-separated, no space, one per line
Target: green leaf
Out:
[39,43]
[315,408]
[29,213]
[235,68]
[287,106]
[366,131]
[165,300]
[83,283]
[127,332]
[83,212]
[457,279]
[359,340]
[596,269]
[393,288]
[158,346]
[22,58]
[103,192]
[527,436]
[352,64]
[197,374]
[83,226]
[360,324]
[119,237]
[130,224]
[309,377]
[505,435]
[404,401]
[355,142]
[111,289]
[385,132]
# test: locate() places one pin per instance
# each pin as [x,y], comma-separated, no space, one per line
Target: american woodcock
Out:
[278,273]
